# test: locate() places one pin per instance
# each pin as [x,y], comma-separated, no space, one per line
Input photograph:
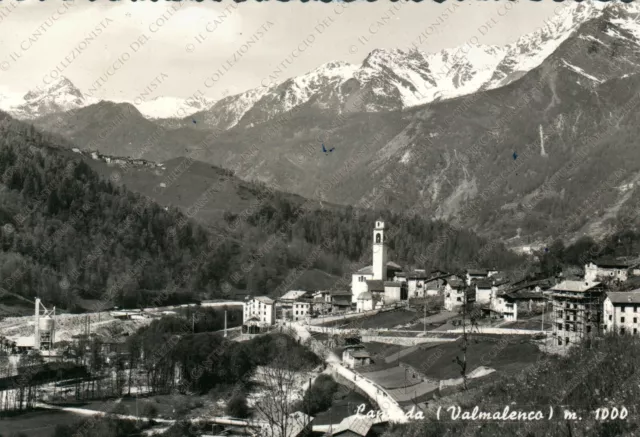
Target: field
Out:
[387,319]
[438,362]
[533,324]
[394,377]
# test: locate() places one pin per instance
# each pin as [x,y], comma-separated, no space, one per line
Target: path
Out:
[389,407]
[88,412]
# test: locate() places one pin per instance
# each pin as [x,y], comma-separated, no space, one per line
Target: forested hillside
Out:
[68,234]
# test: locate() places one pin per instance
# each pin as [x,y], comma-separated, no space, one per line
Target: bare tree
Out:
[469,312]
[283,380]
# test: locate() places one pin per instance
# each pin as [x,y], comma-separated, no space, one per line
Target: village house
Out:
[616,269]
[484,291]
[577,310]
[371,278]
[620,311]
[415,282]
[523,298]
[454,292]
[355,356]
[365,302]
[435,283]
[292,303]
[259,314]
[476,274]
[340,301]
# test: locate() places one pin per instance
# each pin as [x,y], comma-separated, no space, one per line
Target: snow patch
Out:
[581,72]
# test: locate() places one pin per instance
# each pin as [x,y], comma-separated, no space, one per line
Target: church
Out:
[377,285]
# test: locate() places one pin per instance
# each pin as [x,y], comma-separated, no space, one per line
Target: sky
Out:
[186,43]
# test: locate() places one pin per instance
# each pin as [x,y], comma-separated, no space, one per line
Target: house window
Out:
[635,320]
[559,326]
[568,305]
[566,327]
[635,330]
[560,313]
[566,340]
[588,328]
[559,341]
[459,299]
[621,330]
[635,308]
[610,317]
[621,319]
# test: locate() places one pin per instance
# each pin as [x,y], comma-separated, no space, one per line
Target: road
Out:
[389,406]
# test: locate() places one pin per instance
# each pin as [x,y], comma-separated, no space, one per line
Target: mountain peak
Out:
[58,87]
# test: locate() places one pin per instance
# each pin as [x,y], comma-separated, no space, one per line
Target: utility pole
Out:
[225,323]
[425,317]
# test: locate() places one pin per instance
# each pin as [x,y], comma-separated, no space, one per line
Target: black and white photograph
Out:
[307,218]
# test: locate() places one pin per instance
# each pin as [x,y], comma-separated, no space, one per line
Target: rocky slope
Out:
[545,154]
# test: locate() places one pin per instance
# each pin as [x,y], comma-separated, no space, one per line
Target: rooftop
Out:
[478,272]
[368,270]
[360,354]
[375,285]
[624,296]
[264,299]
[359,425]
[575,286]
[616,262]
[293,294]
[455,282]
[484,283]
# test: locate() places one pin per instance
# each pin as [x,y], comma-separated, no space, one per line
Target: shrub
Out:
[237,406]
[149,409]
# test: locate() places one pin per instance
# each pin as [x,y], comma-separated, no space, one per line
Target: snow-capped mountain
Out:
[58,96]
[386,80]
[62,95]
[169,107]
[399,79]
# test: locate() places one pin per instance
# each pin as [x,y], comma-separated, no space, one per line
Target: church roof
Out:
[375,285]
[368,270]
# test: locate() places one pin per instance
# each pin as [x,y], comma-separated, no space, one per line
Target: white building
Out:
[365,302]
[259,311]
[355,356]
[506,307]
[380,270]
[485,292]
[301,309]
[621,312]
[379,251]
[454,290]
[611,269]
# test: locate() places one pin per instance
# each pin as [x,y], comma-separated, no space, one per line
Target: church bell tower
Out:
[379,251]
